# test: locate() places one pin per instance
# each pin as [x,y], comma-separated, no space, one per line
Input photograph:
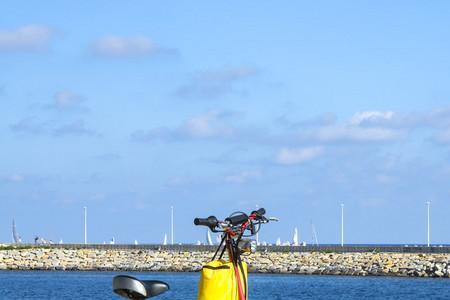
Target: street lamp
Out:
[428,223]
[342,224]
[85,225]
[171,225]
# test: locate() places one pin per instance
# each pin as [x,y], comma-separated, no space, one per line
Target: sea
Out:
[97,285]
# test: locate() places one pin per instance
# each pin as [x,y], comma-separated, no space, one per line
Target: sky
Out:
[128,108]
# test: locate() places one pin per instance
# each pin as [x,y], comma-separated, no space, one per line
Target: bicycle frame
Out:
[232,229]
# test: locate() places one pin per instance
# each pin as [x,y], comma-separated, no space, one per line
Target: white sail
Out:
[257,233]
[113,241]
[16,237]
[295,237]
[165,239]
[278,242]
[208,238]
[314,235]
[136,242]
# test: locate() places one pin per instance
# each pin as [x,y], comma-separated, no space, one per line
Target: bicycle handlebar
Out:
[210,221]
[237,219]
[240,218]
[260,212]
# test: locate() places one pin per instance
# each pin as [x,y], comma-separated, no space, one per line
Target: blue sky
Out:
[128,108]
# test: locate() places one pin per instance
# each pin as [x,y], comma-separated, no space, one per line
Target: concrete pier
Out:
[191,259]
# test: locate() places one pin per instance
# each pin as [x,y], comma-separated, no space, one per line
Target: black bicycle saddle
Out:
[133,288]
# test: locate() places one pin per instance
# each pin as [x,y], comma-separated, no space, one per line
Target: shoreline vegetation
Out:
[191,259]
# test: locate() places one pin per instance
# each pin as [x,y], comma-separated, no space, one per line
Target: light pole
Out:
[428,223]
[342,224]
[171,225]
[85,225]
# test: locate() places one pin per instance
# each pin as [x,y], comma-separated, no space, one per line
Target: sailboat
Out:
[16,238]
[165,239]
[314,235]
[295,237]
[208,238]
[278,242]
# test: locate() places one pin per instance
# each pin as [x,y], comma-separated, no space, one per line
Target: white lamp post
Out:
[171,225]
[342,224]
[85,225]
[428,223]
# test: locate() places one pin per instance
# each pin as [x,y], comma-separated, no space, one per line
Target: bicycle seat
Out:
[133,288]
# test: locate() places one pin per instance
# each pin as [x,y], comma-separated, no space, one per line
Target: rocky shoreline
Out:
[320,263]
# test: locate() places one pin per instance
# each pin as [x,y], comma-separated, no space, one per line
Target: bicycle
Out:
[220,278]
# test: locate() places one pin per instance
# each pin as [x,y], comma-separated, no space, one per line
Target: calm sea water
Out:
[97,285]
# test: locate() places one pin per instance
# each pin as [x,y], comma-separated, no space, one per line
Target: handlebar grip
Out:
[210,221]
[238,219]
[260,212]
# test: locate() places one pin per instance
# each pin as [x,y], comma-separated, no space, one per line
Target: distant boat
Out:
[136,242]
[42,241]
[295,237]
[16,238]
[278,242]
[165,239]
[112,241]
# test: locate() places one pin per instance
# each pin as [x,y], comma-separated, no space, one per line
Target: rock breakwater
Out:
[357,264]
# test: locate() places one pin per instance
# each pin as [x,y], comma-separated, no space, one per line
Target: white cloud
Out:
[242,177]
[14,178]
[214,84]
[385,179]
[67,101]
[291,156]
[29,125]
[33,126]
[361,118]
[356,134]
[206,125]
[26,38]
[75,128]
[443,137]
[137,46]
